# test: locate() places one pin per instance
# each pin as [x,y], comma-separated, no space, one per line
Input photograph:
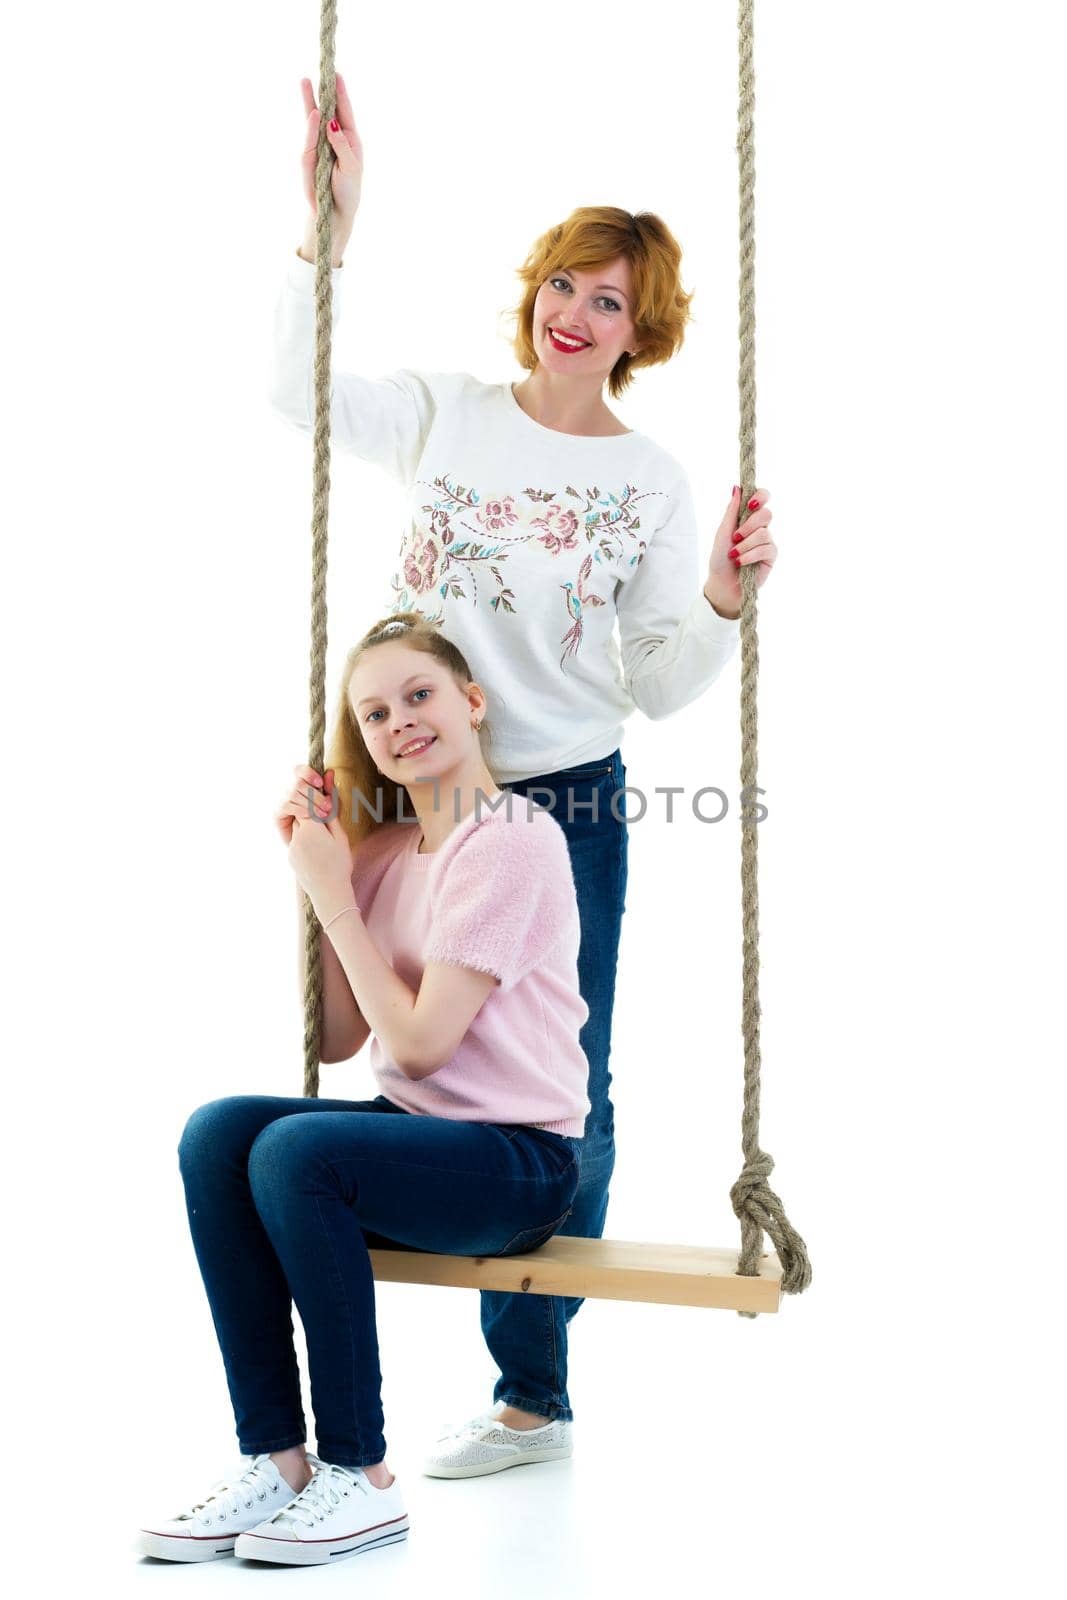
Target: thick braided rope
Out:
[755,1203]
[320,507]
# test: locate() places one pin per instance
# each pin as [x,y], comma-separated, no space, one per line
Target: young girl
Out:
[452,942]
[559,550]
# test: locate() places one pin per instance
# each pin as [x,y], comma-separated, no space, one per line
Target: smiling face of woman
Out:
[595,308]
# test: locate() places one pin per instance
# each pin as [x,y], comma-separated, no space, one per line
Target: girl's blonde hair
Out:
[384,800]
[590,238]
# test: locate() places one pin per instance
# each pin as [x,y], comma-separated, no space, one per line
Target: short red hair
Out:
[590,238]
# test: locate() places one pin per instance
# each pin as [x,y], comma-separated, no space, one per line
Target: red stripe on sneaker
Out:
[272,1538]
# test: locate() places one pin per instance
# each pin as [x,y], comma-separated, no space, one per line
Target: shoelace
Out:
[488,1419]
[326,1490]
[456,1430]
[228,1495]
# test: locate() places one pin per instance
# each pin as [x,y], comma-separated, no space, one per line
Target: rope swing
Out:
[750,1280]
[755,1203]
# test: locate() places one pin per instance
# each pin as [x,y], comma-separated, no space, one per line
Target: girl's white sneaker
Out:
[340,1513]
[485,1444]
[210,1527]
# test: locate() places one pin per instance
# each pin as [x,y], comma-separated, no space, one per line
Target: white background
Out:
[898,1422]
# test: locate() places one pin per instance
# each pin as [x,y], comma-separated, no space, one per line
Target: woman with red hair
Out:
[539,527]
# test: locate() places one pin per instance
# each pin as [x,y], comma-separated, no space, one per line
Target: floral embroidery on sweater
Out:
[466,536]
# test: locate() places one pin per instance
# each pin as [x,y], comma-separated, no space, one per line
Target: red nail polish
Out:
[753,503]
[735,555]
[738,536]
[335,127]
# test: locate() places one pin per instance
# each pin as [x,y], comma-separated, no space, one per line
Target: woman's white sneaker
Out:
[339,1514]
[485,1444]
[210,1527]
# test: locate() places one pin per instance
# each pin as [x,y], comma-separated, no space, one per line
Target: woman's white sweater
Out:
[528,545]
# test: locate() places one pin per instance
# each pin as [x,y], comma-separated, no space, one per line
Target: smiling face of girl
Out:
[415,719]
[595,308]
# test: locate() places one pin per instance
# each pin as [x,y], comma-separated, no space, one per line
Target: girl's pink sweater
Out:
[497,896]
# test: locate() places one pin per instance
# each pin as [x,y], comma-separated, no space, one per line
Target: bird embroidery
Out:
[576,601]
[573,637]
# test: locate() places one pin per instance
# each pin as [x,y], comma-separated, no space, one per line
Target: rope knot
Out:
[754,1175]
[759,1211]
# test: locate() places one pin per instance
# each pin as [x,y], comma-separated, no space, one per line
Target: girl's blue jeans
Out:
[286,1197]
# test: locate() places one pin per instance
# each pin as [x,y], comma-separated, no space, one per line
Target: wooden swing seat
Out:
[598,1269]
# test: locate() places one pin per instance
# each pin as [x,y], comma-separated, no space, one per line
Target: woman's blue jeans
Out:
[287,1196]
[527,1333]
